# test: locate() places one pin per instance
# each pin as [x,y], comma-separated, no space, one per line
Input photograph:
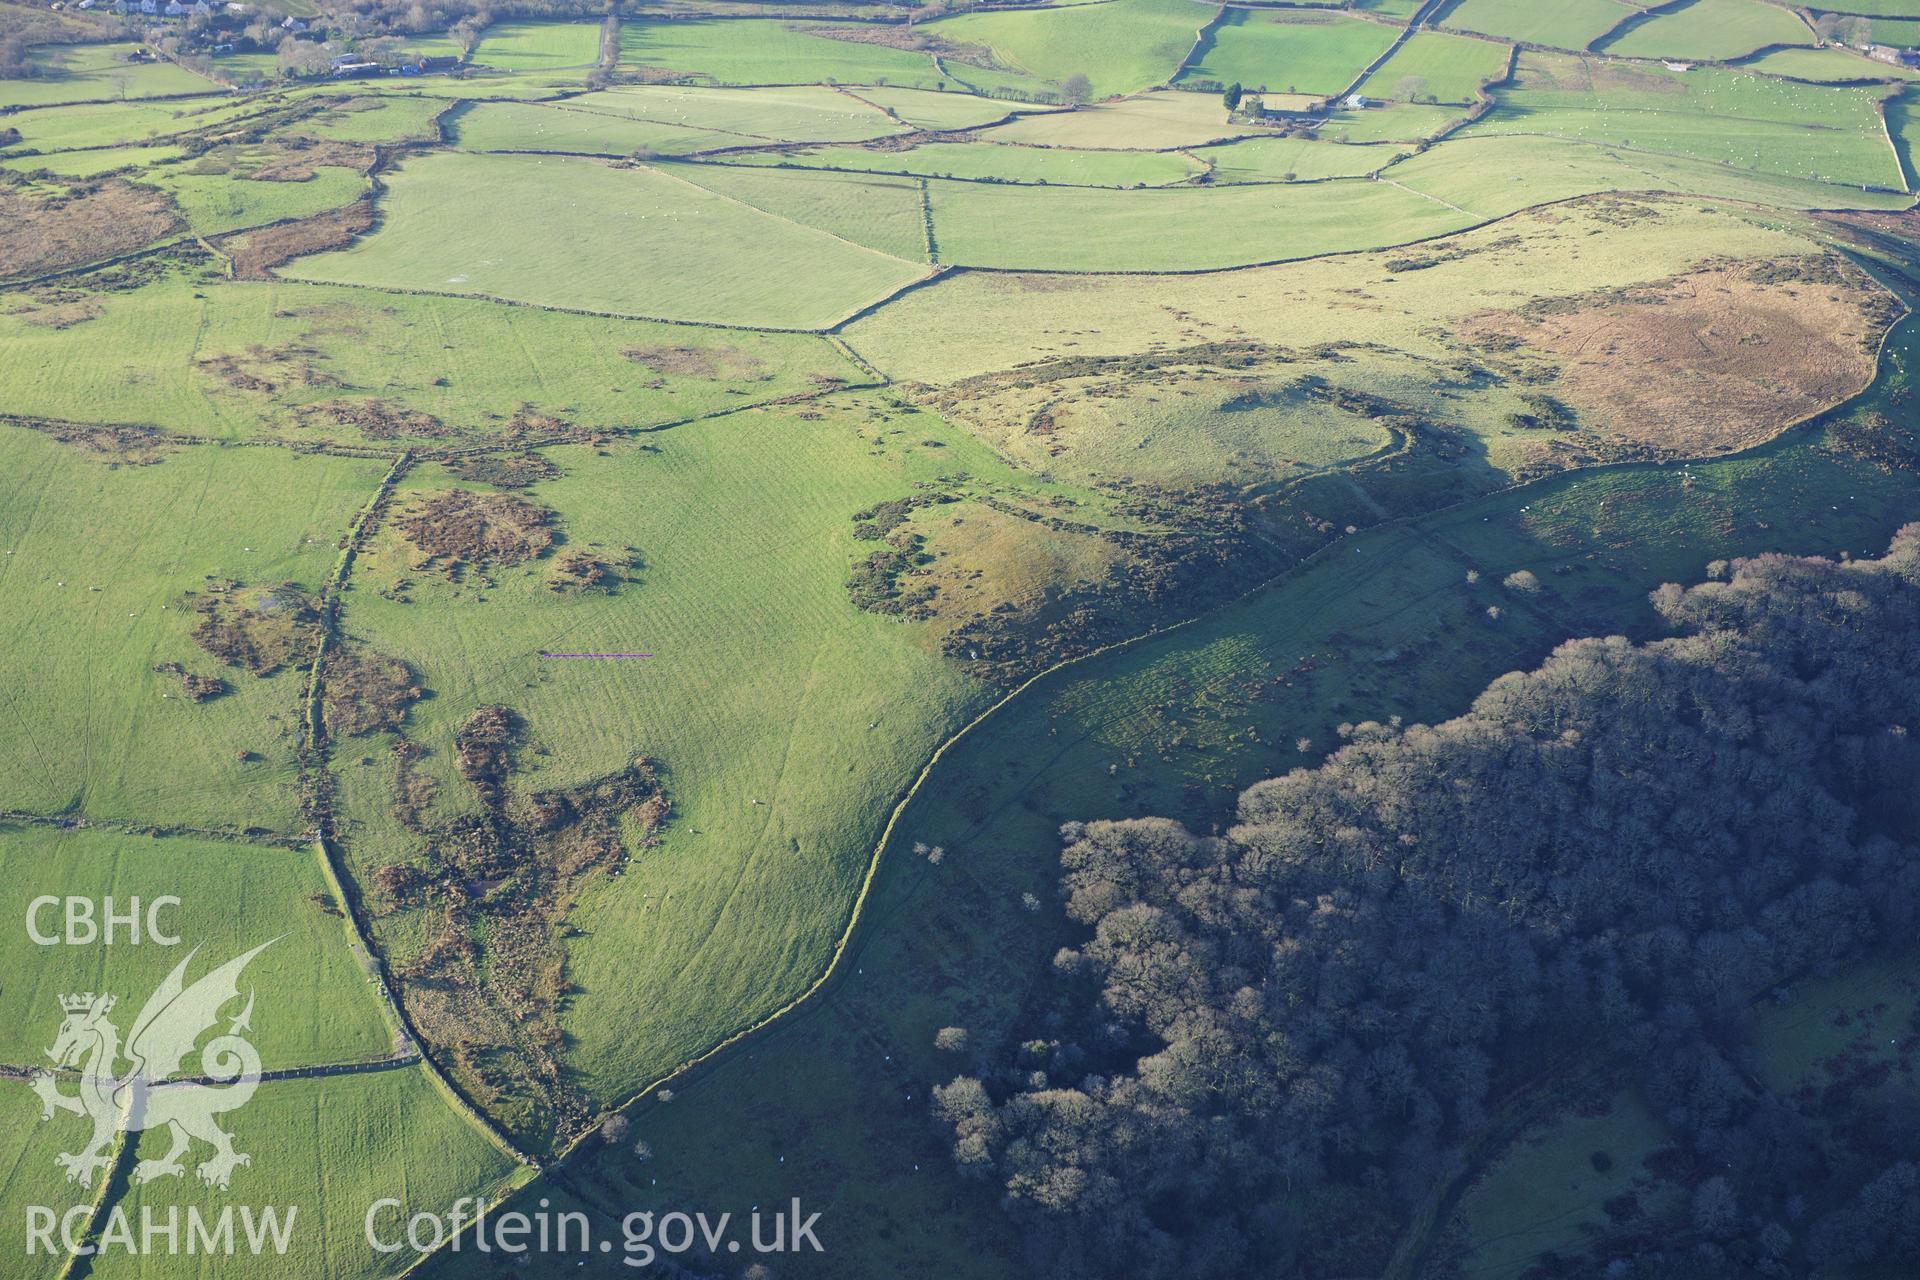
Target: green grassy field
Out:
[216,203]
[1055,166]
[1154,121]
[1289,51]
[331,1147]
[925,110]
[519,126]
[29,1176]
[725,263]
[89,725]
[1729,117]
[1062,229]
[883,213]
[97,73]
[809,113]
[1274,159]
[1121,46]
[539,46]
[1709,30]
[750,51]
[251,360]
[1830,65]
[61,128]
[1574,24]
[315,1007]
[1435,66]
[378,119]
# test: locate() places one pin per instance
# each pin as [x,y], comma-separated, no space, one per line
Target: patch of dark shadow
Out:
[114,444]
[495,889]
[1879,438]
[587,571]
[459,527]
[365,691]
[1543,413]
[374,418]
[504,471]
[262,630]
[196,687]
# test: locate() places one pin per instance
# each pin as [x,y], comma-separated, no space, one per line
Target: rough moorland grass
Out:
[878,211]
[1121,46]
[1709,29]
[86,724]
[785,718]
[1385,624]
[808,113]
[1153,121]
[240,360]
[1054,166]
[759,51]
[333,1147]
[976,323]
[1567,24]
[539,46]
[634,242]
[1064,229]
[1291,51]
[1435,65]
[1293,159]
[1731,117]
[522,126]
[216,203]
[90,72]
[1543,169]
[314,1005]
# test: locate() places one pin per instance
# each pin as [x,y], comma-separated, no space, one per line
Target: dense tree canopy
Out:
[1271,1043]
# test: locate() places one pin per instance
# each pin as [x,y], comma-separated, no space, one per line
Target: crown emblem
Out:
[85,1001]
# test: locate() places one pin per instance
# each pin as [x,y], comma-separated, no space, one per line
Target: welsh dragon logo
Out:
[151,1093]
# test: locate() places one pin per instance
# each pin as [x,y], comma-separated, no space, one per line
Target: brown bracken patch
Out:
[114,444]
[504,471]
[1710,361]
[495,888]
[87,221]
[260,629]
[373,418]
[256,253]
[460,526]
[367,691]
[197,688]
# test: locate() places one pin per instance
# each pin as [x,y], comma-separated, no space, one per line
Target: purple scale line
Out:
[596,655]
